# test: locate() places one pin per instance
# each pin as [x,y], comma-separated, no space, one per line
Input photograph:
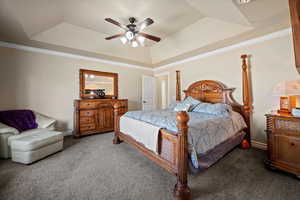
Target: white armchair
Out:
[43,122]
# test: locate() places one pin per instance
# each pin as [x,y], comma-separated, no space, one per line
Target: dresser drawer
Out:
[87,120]
[105,105]
[87,127]
[87,113]
[88,105]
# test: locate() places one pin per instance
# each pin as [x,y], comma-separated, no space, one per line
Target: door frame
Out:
[168,75]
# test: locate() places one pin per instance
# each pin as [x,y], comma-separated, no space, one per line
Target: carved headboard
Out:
[213,92]
[216,92]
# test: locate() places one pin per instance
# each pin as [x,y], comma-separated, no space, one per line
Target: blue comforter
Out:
[205,131]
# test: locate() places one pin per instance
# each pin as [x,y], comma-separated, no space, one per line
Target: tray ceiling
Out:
[183,25]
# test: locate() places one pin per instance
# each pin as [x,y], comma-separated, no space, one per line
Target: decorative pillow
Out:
[20,119]
[44,121]
[8,129]
[193,102]
[182,107]
[219,109]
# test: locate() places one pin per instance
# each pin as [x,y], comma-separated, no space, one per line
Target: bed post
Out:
[178,86]
[247,100]
[117,108]
[182,190]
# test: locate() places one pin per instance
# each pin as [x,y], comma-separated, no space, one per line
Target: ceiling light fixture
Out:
[123,40]
[129,35]
[133,35]
[134,43]
[244,1]
[141,40]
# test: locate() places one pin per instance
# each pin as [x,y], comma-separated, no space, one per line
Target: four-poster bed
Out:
[172,152]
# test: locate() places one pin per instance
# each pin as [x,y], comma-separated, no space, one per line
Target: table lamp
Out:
[287,90]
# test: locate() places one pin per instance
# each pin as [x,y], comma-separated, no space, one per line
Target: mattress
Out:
[205,131]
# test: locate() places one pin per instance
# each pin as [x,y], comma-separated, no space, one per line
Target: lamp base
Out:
[287,103]
[283,111]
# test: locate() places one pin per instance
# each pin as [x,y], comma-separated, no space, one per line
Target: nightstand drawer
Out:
[287,125]
[288,150]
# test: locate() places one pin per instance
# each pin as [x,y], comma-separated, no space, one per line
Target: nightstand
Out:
[283,131]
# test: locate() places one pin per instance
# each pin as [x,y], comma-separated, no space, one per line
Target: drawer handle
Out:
[293,144]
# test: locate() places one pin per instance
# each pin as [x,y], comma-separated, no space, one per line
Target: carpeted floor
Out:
[92,168]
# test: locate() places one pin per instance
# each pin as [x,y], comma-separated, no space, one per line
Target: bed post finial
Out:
[178,86]
[182,190]
[117,108]
[247,101]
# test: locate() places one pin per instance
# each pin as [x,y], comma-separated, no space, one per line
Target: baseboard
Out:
[259,145]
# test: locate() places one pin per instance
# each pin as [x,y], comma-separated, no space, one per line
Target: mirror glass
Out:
[96,84]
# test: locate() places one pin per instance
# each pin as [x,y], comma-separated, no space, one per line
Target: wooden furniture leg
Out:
[182,190]
[247,100]
[178,86]
[117,108]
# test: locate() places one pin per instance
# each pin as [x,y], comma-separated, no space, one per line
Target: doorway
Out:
[162,90]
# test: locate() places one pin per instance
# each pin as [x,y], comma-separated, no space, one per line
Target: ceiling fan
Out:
[132,32]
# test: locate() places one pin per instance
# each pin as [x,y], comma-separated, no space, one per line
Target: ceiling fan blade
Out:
[115,36]
[150,37]
[110,20]
[144,24]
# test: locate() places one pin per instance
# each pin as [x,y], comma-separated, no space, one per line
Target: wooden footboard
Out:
[172,150]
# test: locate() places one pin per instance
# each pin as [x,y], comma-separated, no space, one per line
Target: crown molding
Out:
[270,36]
[69,55]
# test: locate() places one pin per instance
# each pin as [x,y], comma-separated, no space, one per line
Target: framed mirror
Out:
[98,85]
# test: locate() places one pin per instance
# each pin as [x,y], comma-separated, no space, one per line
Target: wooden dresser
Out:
[283,133]
[95,115]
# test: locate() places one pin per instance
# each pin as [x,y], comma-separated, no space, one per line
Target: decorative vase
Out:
[100,93]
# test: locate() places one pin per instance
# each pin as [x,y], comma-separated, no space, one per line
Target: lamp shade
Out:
[287,88]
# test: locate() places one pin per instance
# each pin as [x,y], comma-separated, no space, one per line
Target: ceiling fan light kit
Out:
[133,35]
[244,1]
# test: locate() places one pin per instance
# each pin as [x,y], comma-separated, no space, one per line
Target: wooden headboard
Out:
[213,92]
[216,92]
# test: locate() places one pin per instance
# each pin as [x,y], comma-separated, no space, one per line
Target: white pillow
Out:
[7,129]
[182,107]
[44,121]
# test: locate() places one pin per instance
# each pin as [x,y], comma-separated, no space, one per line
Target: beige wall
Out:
[271,62]
[49,84]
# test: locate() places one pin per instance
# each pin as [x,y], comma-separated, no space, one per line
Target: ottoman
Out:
[33,146]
